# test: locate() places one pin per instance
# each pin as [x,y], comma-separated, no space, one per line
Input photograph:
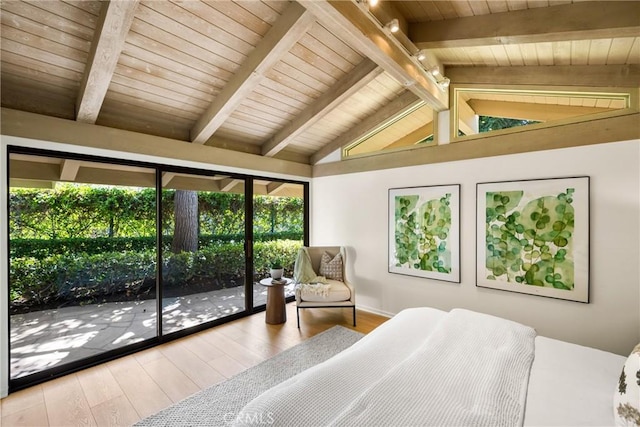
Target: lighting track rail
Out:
[419,56]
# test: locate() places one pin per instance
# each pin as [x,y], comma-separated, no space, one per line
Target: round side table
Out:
[276,308]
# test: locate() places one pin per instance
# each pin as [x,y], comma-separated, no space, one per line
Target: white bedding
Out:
[571,385]
[568,385]
[472,370]
[351,371]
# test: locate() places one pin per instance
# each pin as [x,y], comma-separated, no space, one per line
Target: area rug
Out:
[219,404]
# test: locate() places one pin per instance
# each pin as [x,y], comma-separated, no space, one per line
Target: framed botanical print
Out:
[533,237]
[424,231]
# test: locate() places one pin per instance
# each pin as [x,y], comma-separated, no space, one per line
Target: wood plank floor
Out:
[123,391]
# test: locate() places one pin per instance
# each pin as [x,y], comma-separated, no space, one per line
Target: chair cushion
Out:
[331,268]
[338,291]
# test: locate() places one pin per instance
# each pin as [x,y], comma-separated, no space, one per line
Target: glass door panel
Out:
[203,256]
[82,268]
[278,232]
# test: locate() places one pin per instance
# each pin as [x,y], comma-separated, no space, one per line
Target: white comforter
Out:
[464,368]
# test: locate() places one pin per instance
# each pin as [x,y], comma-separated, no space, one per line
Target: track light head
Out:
[435,71]
[393,25]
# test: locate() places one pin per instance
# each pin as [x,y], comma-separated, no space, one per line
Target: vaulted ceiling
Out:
[294,80]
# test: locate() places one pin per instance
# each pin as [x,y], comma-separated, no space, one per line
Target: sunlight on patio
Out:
[48,338]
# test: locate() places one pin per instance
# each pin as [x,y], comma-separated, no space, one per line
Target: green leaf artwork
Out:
[422,229]
[530,240]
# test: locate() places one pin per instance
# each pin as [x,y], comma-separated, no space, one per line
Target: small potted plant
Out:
[277,269]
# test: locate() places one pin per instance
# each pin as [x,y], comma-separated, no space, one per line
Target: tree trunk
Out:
[185,235]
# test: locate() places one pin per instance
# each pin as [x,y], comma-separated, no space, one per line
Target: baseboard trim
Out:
[375,311]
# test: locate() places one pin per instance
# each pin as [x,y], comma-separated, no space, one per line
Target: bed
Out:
[385,379]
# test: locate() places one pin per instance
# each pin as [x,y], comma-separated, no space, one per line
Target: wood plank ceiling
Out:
[292,80]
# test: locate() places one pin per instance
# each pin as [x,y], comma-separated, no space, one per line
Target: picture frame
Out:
[532,237]
[424,232]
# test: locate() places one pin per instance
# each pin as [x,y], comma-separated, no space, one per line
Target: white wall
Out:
[351,210]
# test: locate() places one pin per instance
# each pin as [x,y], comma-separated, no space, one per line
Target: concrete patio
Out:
[44,339]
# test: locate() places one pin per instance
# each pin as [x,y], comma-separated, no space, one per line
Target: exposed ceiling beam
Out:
[69,170]
[246,147]
[412,138]
[384,12]
[391,131]
[227,184]
[366,36]
[557,75]
[24,169]
[526,111]
[275,187]
[167,177]
[194,183]
[379,119]
[104,176]
[31,183]
[283,35]
[116,17]
[576,21]
[351,83]
[125,143]
[229,144]
[467,118]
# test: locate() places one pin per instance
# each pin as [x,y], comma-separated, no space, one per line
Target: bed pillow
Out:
[331,268]
[626,400]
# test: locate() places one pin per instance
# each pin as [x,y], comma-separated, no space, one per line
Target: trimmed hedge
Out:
[72,211]
[76,277]
[42,248]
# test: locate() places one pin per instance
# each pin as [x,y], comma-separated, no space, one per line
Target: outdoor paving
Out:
[44,339]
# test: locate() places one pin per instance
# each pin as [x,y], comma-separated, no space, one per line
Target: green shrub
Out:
[78,276]
[36,281]
[42,248]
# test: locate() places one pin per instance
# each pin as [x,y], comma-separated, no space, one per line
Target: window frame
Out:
[74,366]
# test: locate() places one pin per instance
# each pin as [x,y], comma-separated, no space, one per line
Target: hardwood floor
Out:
[123,391]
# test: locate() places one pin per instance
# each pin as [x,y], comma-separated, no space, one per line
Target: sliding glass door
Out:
[278,232]
[108,257]
[203,249]
[82,260]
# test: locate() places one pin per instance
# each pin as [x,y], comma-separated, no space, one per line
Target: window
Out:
[82,267]
[412,127]
[278,231]
[203,249]
[109,256]
[479,110]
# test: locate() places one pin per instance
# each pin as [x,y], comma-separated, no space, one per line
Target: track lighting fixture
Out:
[419,55]
[368,3]
[444,83]
[393,25]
